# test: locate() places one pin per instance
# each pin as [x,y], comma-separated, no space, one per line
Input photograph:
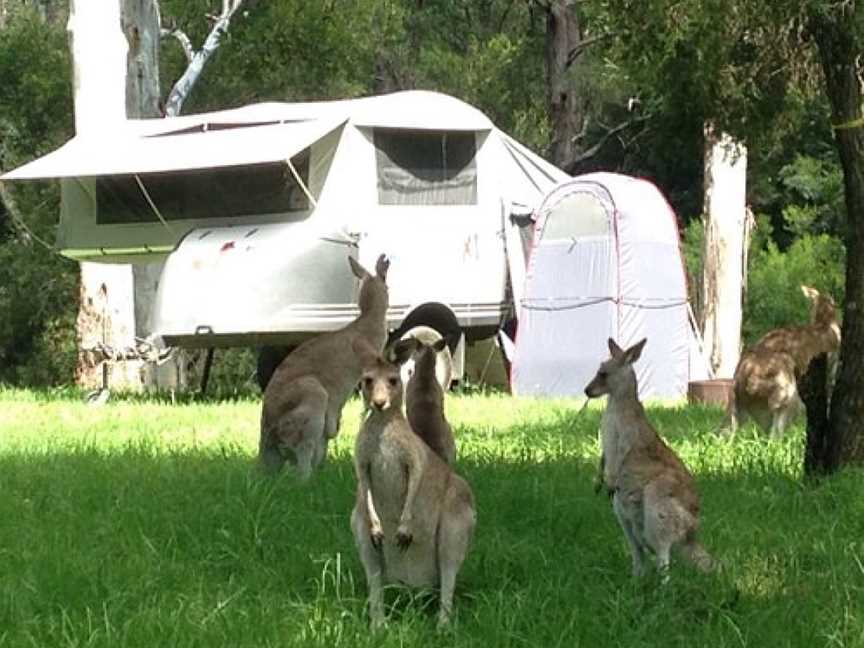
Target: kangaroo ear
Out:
[382,266]
[358,270]
[404,349]
[614,349]
[632,354]
[809,293]
[364,351]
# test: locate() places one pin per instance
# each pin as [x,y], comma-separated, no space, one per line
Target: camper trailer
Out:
[253,211]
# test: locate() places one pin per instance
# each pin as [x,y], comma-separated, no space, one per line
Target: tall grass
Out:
[143,523]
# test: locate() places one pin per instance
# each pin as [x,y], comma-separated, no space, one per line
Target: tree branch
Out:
[572,165]
[584,44]
[181,89]
[182,38]
[504,14]
[22,233]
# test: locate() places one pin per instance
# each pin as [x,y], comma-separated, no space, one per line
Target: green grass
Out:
[144,524]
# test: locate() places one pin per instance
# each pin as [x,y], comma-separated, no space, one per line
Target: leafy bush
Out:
[38,288]
[815,196]
[774,296]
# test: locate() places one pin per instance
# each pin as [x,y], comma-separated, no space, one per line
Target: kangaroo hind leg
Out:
[300,431]
[373,564]
[455,532]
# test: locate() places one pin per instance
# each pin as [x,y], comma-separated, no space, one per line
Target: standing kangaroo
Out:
[653,494]
[424,401]
[765,387]
[303,401]
[414,518]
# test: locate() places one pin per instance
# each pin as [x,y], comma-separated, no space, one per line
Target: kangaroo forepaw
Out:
[403,538]
[376,536]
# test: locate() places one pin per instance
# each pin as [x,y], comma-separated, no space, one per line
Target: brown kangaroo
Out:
[653,494]
[424,401]
[765,387]
[414,518]
[303,401]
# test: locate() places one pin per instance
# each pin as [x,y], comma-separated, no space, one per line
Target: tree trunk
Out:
[566,105]
[726,224]
[141,26]
[139,20]
[106,310]
[813,389]
[834,30]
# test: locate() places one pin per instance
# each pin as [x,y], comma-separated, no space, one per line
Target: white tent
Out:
[605,262]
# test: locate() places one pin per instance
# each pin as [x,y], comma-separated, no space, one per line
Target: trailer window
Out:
[227,192]
[426,167]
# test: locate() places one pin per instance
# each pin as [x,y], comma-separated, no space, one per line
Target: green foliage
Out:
[233,373]
[38,288]
[278,51]
[692,247]
[143,524]
[815,188]
[725,61]
[774,296]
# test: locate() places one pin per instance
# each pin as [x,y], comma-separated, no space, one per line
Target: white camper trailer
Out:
[254,211]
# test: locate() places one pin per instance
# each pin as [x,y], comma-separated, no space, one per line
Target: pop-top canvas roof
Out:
[265,132]
[605,262]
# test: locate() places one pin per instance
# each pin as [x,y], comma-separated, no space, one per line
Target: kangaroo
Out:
[424,401]
[414,518]
[653,494]
[765,387]
[303,401]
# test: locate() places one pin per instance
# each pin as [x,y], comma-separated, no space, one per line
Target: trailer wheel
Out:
[269,359]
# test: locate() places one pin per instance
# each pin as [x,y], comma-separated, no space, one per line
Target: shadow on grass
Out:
[193,543]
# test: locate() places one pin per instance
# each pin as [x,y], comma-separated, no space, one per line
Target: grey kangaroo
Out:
[653,494]
[414,518]
[303,401]
[424,401]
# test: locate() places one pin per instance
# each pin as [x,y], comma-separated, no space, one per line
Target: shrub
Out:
[774,296]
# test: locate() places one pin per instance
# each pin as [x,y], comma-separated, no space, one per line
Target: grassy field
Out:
[144,524]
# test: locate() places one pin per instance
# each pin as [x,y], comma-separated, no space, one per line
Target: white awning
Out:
[125,153]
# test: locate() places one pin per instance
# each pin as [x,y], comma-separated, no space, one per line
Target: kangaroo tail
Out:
[694,553]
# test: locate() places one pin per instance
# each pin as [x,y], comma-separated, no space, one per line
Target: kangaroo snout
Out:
[380,403]
[596,388]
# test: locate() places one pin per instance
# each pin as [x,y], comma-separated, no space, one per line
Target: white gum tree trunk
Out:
[107,311]
[726,233]
[141,26]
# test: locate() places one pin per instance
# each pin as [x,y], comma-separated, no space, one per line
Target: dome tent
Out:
[605,262]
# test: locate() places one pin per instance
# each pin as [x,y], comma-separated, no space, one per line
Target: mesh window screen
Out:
[577,215]
[205,193]
[426,168]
